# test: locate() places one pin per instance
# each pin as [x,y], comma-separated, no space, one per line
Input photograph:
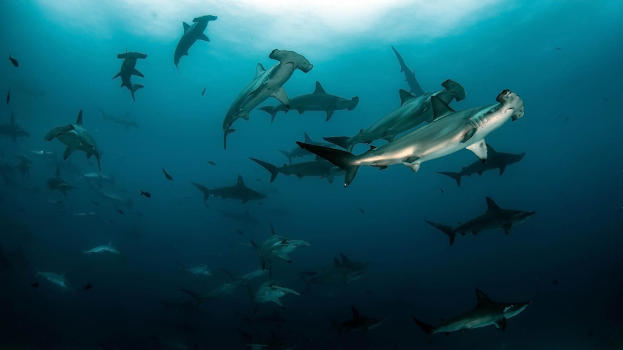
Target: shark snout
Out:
[513,102]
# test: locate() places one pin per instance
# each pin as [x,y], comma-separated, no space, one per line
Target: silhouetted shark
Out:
[495,160]
[318,168]
[13,130]
[414,86]
[358,323]
[128,69]
[319,100]
[494,218]
[192,33]
[76,138]
[238,191]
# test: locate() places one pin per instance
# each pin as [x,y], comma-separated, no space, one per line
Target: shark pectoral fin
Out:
[67,152]
[281,96]
[507,228]
[136,72]
[412,163]
[117,75]
[501,324]
[502,168]
[203,37]
[479,148]
[329,114]
[278,302]
[468,135]
[186,26]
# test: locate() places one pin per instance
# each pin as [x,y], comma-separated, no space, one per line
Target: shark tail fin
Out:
[455,176]
[270,110]
[274,171]
[445,229]
[353,103]
[425,327]
[227,132]
[134,88]
[342,159]
[341,141]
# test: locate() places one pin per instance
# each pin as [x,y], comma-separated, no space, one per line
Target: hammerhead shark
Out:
[276,247]
[13,130]
[495,160]
[125,121]
[450,132]
[358,322]
[319,100]
[239,191]
[413,111]
[76,138]
[265,84]
[486,313]
[298,152]
[414,86]
[318,168]
[494,218]
[192,33]
[128,69]
[57,183]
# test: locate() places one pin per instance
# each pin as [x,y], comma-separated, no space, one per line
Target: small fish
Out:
[88,213]
[169,177]
[362,211]
[203,92]
[145,194]
[442,190]
[212,163]
[239,231]
[8,96]
[95,203]
[87,286]
[35,284]
[120,212]
[555,282]
[14,61]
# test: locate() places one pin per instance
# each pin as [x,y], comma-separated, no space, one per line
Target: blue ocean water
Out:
[562,58]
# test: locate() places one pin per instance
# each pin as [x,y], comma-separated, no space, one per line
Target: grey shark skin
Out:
[413,111]
[13,130]
[128,123]
[343,269]
[54,278]
[298,152]
[358,323]
[495,160]
[128,69]
[239,191]
[317,168]
[494,218]
[319,100]
[450,132]
[192,33]
[414,86]
[76,138]
[24,164]
[265,84]
[57,183]
[486,313]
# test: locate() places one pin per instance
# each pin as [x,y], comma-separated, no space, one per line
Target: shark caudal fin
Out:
[273,170]
[455,176]
[272,110]
[204,190]
[445,229]
[342,141]
[134,88]
[340,158]
[353,103]
[227,132]
[425,327]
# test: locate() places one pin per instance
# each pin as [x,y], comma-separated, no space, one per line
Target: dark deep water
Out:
[562,58]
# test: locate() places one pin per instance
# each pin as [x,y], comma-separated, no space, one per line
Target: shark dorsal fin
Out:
[240,181]
[186,26]
[344,258]
[491,205]
[482,298]
[355,313]
[259,69]
[319,89]
[440,108]
[336,262]
[272,229]
[308,139]
[79,119]
[405,96]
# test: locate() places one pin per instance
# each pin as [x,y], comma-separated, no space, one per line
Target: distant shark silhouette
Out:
[192,33]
